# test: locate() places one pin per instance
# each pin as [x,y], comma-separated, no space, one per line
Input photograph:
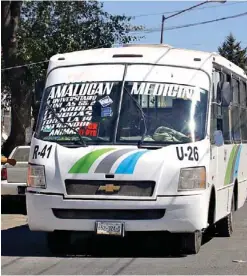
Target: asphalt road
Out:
[25,252]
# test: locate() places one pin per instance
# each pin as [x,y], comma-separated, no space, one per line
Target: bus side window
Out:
[226,119]
[243,110]
[215,124]
[220,79]
[235,111]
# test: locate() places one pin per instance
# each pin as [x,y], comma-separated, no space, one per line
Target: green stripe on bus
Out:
[230,166]
[234,163]
[84,164]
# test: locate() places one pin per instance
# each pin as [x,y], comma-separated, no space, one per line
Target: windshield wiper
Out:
[143,117]
[73,129]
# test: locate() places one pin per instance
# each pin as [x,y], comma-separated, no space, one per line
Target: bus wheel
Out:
[224,227]
[191,242]
[58,242]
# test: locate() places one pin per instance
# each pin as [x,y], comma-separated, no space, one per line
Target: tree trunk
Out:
[17,77]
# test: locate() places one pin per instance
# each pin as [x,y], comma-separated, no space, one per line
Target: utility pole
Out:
[162,29]
[182,11]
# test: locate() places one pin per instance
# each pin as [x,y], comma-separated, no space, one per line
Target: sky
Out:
[203,37]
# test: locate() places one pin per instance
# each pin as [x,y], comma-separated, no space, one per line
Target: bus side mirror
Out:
[218,138]
[226,93]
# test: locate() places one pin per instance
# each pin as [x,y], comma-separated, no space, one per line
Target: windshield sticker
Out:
[47,129]
[106,112]
[90,130]
[73,106]
[166,89]
[106,101]
[80,89]
[60,138]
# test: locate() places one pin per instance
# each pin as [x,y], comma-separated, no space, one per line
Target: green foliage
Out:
[232,50]
[50,27]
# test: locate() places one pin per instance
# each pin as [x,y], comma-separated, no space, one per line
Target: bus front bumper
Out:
[180,213]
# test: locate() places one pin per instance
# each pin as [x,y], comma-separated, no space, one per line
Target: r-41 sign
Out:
[43,153]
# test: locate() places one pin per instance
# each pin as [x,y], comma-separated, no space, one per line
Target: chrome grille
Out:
[109,187]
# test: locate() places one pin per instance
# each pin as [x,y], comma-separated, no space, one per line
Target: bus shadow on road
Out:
[21,242]
[134,247]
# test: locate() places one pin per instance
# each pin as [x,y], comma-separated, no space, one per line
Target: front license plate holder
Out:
[109,228]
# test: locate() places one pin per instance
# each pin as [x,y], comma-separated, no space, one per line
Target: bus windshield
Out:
[169,113]
[123,112]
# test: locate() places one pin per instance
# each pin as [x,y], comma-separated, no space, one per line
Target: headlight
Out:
[192,179]
[36,176]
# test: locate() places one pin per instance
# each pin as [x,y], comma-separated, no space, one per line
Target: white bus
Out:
[138,138]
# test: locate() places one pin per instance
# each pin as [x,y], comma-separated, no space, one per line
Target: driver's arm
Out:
[5,160]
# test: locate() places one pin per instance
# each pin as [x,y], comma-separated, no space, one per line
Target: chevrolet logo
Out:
[109,188]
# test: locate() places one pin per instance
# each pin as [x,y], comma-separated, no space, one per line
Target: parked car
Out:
[14,178]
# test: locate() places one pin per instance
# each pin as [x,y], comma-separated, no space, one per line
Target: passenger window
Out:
[245,88]
[236,91]
[216,113]
[226,119]
[226,125]
[243,96]
[243,111]
[235,112]
[219,78]
[243,119]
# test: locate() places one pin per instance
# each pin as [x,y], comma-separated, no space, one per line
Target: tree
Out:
[50,27]
[17,78]
[231,49]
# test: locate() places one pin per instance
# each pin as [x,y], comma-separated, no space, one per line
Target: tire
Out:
[224,227]
[191,242]
[58,242]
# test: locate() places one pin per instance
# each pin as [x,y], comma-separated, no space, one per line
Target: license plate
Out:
[110,228]
[21,190]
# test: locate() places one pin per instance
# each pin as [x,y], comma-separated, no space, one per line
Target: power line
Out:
[145,31]
[34,63]
[151,30]
[202,8]
[208,21]
[24,65]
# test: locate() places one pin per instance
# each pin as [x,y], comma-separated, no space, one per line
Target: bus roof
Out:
[146,53]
